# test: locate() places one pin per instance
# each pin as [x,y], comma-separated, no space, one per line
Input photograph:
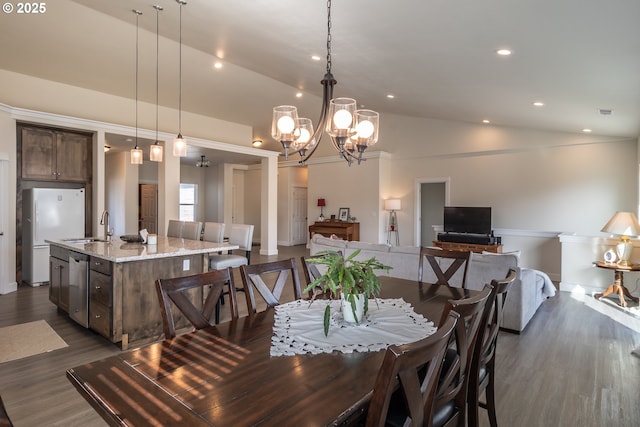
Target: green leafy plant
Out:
[346,276]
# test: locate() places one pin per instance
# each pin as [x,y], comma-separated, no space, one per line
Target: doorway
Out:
[148,208]
[433,196]
[299,216]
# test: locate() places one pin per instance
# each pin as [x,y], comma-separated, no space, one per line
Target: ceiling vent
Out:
[605,111]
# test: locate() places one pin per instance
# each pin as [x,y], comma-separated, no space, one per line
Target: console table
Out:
[344,230]
[455,246]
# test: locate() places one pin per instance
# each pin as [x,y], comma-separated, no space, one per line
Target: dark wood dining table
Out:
[224,375]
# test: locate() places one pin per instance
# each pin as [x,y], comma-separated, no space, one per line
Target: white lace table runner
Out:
[298,328]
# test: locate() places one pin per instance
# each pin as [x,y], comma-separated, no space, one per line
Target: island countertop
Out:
[118,250]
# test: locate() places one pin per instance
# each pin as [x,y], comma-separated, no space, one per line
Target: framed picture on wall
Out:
[343,214]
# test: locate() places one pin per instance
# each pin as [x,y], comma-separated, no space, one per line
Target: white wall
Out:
[8,151]
[121,194]
[358,188]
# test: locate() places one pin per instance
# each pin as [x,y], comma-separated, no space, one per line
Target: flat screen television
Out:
[474,220]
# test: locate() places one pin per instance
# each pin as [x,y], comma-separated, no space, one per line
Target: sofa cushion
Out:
[339,245]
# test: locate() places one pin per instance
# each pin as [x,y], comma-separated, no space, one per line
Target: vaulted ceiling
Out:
[436,58]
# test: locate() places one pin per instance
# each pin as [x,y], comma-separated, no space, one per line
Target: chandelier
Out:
[351,130]
[202,163]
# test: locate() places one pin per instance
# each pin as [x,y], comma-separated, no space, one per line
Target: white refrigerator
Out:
[48,214]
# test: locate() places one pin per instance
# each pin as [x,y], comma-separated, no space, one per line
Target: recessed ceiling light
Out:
[257,143]
[315,57]
[217,65]
[538,104]
[586,130]
[503,52]
[486,121]
[298,94]
[390,96]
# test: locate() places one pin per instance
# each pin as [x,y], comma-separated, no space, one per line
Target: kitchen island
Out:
[119,298]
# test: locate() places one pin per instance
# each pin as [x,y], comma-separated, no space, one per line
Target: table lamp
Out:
[322,204]
[623,224]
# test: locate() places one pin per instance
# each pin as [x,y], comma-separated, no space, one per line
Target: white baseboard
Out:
[8,288]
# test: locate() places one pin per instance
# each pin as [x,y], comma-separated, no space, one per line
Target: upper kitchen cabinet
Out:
[55,155]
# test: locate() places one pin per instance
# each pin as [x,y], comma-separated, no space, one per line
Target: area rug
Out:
[28,339]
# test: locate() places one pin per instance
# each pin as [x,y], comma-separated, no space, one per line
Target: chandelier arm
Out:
[327,93]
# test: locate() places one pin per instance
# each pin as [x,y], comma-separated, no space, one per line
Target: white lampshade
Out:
[392,205]
[179,146]
[623,224]
[136,156]
[155,153]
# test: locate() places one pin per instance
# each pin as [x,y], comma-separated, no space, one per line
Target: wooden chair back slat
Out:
[179,292]
[253,277]
[458,260]
[410,371]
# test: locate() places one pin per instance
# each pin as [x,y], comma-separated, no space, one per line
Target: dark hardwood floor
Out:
[572,366]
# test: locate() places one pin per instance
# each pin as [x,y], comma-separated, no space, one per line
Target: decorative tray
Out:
[131,238]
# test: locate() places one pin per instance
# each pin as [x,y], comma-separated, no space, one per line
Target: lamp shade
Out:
[623,224]
[321,202]
[392,205]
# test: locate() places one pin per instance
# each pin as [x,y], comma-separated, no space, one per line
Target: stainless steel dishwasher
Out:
[78,288]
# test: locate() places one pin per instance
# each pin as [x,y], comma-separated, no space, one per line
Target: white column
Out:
[269,207]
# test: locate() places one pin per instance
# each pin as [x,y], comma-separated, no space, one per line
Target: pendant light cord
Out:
[158,9]
[180,72]
[138,13]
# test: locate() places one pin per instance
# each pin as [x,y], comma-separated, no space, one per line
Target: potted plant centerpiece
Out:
[351,280]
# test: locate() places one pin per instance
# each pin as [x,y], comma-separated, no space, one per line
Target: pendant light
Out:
[155,151]
[180,144]
[136,152]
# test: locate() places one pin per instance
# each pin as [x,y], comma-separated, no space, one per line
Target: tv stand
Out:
[459,246]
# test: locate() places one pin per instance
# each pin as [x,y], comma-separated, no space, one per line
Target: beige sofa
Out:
[530,289]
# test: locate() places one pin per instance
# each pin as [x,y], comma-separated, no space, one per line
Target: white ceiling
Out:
[437,57]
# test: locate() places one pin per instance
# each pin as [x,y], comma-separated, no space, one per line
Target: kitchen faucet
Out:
[104,220]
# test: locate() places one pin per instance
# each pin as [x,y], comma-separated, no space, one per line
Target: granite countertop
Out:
[118,250]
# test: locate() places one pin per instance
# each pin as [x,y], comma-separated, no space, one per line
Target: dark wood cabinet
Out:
[344,230]
[101,297]
[55,155]
[59,277]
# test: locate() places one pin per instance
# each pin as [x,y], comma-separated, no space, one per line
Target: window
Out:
[188,202]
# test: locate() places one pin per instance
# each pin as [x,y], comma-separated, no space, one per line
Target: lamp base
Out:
[623,249]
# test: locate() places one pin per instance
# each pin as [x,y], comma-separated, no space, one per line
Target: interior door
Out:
[299,216]
[149,208]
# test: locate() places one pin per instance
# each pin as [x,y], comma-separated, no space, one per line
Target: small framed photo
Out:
[343,214]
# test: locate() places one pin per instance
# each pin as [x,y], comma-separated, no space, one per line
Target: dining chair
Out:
[312,272]
[191,230]
[444,265]
[213,232]
[483,365]
[269,280]
[451,395]
[5,421]
[414,369]
[175,228]
[242,236]
[177,289]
